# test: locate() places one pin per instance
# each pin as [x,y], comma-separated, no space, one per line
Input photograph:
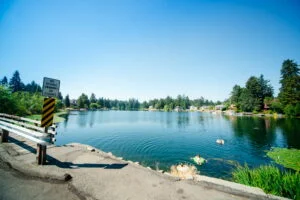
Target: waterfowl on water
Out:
[220,141]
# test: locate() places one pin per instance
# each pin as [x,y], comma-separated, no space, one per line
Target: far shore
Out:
[226,112]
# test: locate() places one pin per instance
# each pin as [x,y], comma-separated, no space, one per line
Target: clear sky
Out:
[148,49]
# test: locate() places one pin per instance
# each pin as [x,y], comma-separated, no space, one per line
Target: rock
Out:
[183,171]
[160,171]
[109,153]
[90,149]
[149,168]
[137,163]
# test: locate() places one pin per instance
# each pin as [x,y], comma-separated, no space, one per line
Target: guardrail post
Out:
[4,136]
[41,154]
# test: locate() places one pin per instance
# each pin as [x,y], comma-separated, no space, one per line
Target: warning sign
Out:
[50,87]
[48,112]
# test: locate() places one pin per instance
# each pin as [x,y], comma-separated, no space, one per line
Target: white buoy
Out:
[220,141]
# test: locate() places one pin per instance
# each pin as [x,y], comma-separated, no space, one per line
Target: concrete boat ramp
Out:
[92,174]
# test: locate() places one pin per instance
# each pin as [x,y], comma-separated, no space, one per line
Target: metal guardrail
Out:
[29,129]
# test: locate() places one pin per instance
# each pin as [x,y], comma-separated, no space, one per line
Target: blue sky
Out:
[148,49]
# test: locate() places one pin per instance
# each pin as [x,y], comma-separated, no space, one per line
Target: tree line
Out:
[26,99]
[258,94]
[167,104]
[22,99]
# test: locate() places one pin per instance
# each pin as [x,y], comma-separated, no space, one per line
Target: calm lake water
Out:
[166,138]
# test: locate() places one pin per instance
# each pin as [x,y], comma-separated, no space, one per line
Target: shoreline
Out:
[83,163]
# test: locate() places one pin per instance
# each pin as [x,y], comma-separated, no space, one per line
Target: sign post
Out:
[50,90]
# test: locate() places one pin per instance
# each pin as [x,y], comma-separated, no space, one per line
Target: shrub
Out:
[270,179]
[94,106]
[276,106]
[290,111]
[297,109]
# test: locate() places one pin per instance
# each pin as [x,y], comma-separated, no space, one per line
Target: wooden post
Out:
[41,154]
[4,136]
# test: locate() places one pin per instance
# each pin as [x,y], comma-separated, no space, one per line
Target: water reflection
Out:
[92,118]
[263,131]
[183,120]
[291,131]
[66,117]
[260,131]
[82,119]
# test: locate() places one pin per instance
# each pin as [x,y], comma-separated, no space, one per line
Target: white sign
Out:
[50,87]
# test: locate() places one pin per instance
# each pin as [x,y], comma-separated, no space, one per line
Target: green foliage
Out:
[15,82]
[297,109]
[33,87]
[7,102]
[94,106]
[276,106]
[289,158]
[58,105]
[290,111]
[27,103]
[67,101]
[290,83]
[251,98]
[270,179]
[60,97]
[4,81]
[83,101]
[93,98]
[144,105]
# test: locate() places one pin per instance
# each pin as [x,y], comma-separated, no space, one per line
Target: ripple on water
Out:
[170,138]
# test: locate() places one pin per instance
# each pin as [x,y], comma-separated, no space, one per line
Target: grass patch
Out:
[270,179]
[289,158]
[57,117]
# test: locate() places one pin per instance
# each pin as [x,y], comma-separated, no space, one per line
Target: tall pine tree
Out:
[290,83]
[4,81]
[15,82]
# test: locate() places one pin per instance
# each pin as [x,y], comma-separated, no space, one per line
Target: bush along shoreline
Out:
[285,182]
[270,179]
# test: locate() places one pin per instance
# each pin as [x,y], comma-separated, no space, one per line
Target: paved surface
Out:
[98,175]
[15,186]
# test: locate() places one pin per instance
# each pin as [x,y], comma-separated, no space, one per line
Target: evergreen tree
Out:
[33,87]
[93,98]
[67,101]
[236,95]
[83,101]
[60,97]
[4,81]
[290,83]
[15,82]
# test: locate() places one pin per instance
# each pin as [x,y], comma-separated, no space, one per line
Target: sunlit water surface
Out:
[161,139]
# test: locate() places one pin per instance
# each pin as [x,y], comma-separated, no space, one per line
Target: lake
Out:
[161,139]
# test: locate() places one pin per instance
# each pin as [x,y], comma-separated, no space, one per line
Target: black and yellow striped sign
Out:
[48,112]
